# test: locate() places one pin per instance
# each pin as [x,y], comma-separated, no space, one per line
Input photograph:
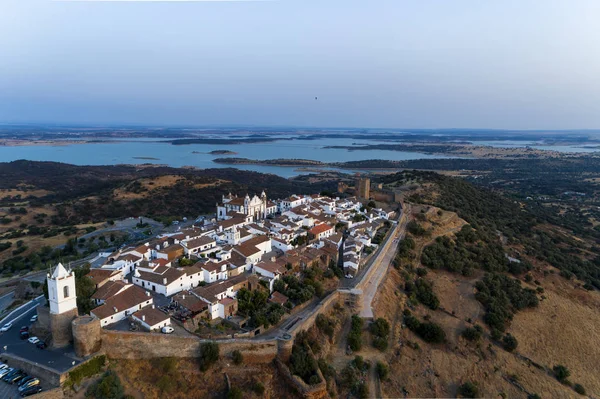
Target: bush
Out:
[472,333]
[380,343]
[509,342]
[382,370]
[468,390]
[235,393]
[237,357]
[258,388]
[561,372]
[108,387]
[88,369]
[380,328]
[209,354]
[579,389]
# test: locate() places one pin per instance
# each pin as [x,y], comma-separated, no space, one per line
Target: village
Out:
[240,272]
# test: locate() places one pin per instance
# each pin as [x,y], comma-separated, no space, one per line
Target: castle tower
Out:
[63,305]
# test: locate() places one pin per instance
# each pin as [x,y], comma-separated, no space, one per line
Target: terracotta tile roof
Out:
[153,316]
[321,228]
[171,274]
[214,266]
[272,267]
[100,275]
[131,297]
[190,302]
[109,290]
[198,242]
[210,292]
[278,297]
[227,301]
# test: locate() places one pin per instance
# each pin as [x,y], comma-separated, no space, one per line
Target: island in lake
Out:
[222,152]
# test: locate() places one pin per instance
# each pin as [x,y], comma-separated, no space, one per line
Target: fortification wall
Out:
[86,335]
[46,375]
[60,327]
[134,345]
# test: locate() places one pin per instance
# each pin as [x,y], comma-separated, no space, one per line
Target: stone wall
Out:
[60,328]
[46,375]
[86,335]
[134,345]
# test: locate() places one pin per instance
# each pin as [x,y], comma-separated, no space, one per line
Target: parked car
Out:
[41,345]
[24,334]
[18,377]
[5,371]
[30,383]
[6,327]
[24,328]
[33,318]
[167,330]
[31,391]
[25,380]
[33,340]
[9,375]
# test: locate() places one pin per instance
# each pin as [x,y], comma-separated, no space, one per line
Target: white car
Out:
[6,327]
[167,330]
[33,318]
[34,340]
[5,371]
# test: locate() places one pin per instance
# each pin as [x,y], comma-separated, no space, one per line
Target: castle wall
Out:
[60,327]
[86,335]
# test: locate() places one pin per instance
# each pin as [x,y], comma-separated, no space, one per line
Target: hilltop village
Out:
[283,248]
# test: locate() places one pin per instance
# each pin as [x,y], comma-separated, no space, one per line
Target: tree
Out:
[509,342]
[468,390]
[579,389]
[235,393]
[561,372]
[237,357]
[209,354]
[382,370]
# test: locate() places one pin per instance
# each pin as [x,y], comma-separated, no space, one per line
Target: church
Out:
[256,207]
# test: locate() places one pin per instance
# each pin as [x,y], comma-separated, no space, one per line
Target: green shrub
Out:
[579,389]
[468,390]
[258,388]
[235,393]
[382,370]
[237,357]
[209,354]
[561,372]
[108,387]
[472,333]
[92,367]
[509,342]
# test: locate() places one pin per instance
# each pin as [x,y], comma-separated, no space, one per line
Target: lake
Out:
[129,152]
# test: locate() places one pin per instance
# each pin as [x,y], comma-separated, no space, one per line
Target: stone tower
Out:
[63,305]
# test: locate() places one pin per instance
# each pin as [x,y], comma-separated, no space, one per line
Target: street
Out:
[10,342]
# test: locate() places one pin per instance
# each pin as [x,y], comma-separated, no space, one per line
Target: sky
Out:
[504,64]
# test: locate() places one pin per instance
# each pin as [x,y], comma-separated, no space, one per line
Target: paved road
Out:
[380,267]
[10,342]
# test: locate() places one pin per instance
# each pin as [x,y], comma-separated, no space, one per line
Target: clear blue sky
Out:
[371,63]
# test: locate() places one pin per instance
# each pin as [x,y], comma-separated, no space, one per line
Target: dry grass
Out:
[564,329]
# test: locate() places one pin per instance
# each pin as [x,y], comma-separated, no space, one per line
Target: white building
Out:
[61,290]
[151,318]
